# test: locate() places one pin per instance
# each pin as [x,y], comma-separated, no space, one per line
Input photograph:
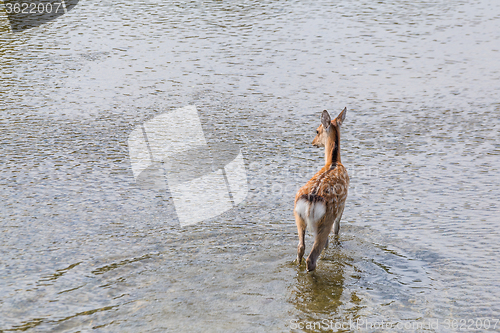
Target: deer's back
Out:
[328,186]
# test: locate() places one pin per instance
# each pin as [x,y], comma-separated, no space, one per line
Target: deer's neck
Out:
[332,150]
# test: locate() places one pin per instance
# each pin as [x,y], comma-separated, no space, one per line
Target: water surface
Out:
[83,247]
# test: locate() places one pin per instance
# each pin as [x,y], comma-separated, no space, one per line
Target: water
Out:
[83,247]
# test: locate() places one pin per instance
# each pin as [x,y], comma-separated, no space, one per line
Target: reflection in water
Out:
[360,282]
[319,292]
[318,295]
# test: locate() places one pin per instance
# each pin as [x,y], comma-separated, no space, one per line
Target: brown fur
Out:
[328,185]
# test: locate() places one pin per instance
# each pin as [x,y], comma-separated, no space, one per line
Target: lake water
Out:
[83,247]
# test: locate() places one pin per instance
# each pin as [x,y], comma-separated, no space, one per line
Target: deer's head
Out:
[328,128]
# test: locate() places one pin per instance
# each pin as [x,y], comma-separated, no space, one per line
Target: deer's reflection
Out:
[321,295]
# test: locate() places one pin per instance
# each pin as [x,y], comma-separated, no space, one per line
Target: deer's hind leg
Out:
[301,229]
[320,241]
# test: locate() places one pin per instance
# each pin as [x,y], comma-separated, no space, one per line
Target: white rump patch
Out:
[311,212]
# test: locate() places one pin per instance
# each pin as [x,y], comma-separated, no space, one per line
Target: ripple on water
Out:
[83,247]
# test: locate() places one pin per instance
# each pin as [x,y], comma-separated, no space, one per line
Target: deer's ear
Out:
[340,118]
[326,120]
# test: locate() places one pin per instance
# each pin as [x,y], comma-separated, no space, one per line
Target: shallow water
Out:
[84,247]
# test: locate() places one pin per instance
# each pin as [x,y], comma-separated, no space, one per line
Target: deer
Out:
[319,204]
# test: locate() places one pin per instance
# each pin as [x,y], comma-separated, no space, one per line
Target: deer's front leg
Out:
[301,229]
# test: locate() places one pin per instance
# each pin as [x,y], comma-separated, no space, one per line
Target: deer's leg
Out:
[336,227]
[318,246]
[301,228]
[336,224]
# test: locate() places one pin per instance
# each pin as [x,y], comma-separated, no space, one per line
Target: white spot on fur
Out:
[311,212]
